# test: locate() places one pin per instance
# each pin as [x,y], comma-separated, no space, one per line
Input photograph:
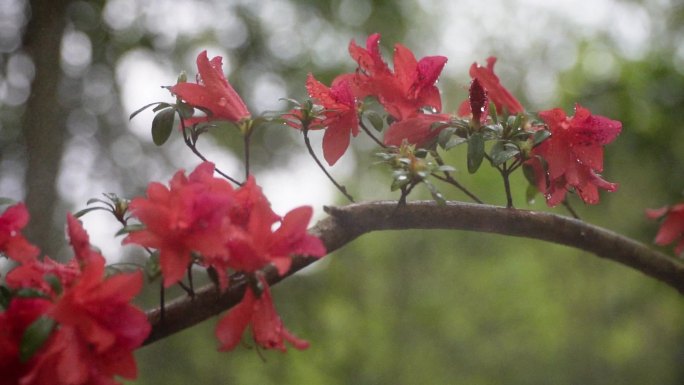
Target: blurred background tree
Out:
[404,308]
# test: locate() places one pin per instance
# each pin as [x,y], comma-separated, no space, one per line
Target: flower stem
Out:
[342,189]
[505,173]
[449,179]
[570,209]
[369,133]
[191,143]
[246,140]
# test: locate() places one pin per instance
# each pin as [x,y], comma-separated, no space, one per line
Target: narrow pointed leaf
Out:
[35,336]
[141,109]
[129,228]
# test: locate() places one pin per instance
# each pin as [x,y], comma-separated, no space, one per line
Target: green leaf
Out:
[494,113]
[531,193]
[293,102]
[54,283]
[436,195]
[129,229]
[444,136]
[517,123]
[162,126]
[400,181]
[85,211]
[500,153]
[7,201]
[375,120]
[152,267]
[161,106]
[31,293]
[35,336]
[95,200]
[476,152]
[185,110]
[5,297]
[540,136]
[453,142]
[141,109]
[421,153]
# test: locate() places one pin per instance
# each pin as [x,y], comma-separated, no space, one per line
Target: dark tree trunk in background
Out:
[43,124]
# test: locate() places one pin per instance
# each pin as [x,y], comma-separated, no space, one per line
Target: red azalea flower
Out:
[268,330]
[258,245]
[190,216]
[20,313]
[498,94]
[80,241]
[340,115]
[418,130]
[12,243]
[574,154]
[407,90]
[98,330]
[247,197]
[31,274]
[212,93]
[672,228]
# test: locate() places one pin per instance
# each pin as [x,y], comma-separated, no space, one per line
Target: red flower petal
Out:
[418,130]
[230,328]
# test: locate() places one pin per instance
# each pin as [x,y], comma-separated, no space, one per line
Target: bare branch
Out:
[349,222]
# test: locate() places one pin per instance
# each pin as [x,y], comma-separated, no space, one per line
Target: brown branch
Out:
[348,222]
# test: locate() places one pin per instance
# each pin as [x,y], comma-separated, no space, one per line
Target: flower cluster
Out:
[202,219]
[405,92]
[65,323]
[566,156]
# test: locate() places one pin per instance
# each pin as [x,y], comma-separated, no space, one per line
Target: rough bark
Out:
[349,222]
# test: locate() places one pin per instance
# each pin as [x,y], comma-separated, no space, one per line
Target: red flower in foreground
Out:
[98,331]
[574,154]
[190,216]
[497,93]
[224,228]
[268,330]
[340,115]
[12,243]
[20,313]
[672,228]
[212,93]
[407,90]
[96,328]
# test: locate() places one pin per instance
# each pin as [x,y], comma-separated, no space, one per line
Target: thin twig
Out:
[191,142]
[570,209]
[507,185]
[342,189]
[369,133]
[449,179]
[246,141]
